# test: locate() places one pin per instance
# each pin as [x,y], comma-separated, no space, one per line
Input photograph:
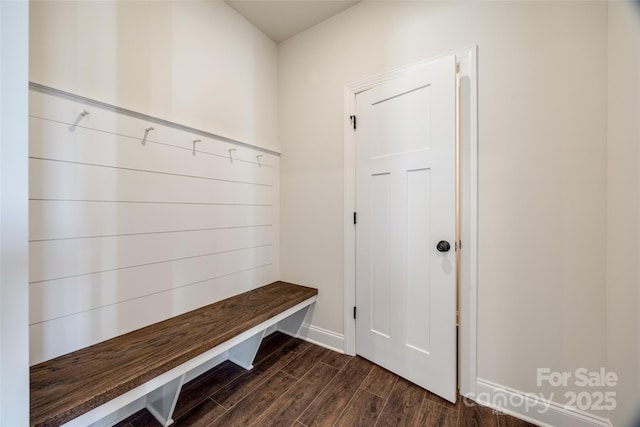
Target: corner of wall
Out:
[14,278]
[623,207]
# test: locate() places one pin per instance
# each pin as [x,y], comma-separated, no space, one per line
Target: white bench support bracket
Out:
[291,325]
[162,401]
[244,353]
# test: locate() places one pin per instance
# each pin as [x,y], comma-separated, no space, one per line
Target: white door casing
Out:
[405,200]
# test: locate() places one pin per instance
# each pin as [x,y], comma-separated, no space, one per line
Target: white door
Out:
[405,202]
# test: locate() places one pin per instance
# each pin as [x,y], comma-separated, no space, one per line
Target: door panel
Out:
[405,198]
[400,133]
[381,267]
[418,259]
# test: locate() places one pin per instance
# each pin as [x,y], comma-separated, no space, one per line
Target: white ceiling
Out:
[281,19]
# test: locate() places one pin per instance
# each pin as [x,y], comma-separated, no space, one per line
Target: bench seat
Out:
[73,384]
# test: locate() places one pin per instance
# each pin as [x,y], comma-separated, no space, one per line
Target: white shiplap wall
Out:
[124,232]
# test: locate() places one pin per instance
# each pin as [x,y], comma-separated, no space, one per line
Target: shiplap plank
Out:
[73,181]
[64,219]
[56,141]
[63,335]
[68,111]
[63,297]
[62,258]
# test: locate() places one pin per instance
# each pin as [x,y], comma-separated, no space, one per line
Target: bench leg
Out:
[244,353]
[162,401]
[291,325]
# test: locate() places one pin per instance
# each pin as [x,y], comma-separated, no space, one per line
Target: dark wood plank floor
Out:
[295,383]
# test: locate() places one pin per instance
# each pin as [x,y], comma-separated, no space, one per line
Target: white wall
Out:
[192,62]
[623,207]
[14,288]
[542,166]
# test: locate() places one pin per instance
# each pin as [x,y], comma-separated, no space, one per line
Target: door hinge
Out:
[354,312]
[457,317]
[355,218]
[353,121]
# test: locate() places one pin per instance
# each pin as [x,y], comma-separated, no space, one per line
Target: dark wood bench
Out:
[148,366]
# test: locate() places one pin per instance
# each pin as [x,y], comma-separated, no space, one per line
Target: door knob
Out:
[443,246]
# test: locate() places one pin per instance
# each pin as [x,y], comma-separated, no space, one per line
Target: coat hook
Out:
[195,141]
[231,150]
[258,159]
[72,128]
[146,133]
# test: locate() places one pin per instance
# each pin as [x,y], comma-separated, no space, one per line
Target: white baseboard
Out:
[532,408]
[322,337]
